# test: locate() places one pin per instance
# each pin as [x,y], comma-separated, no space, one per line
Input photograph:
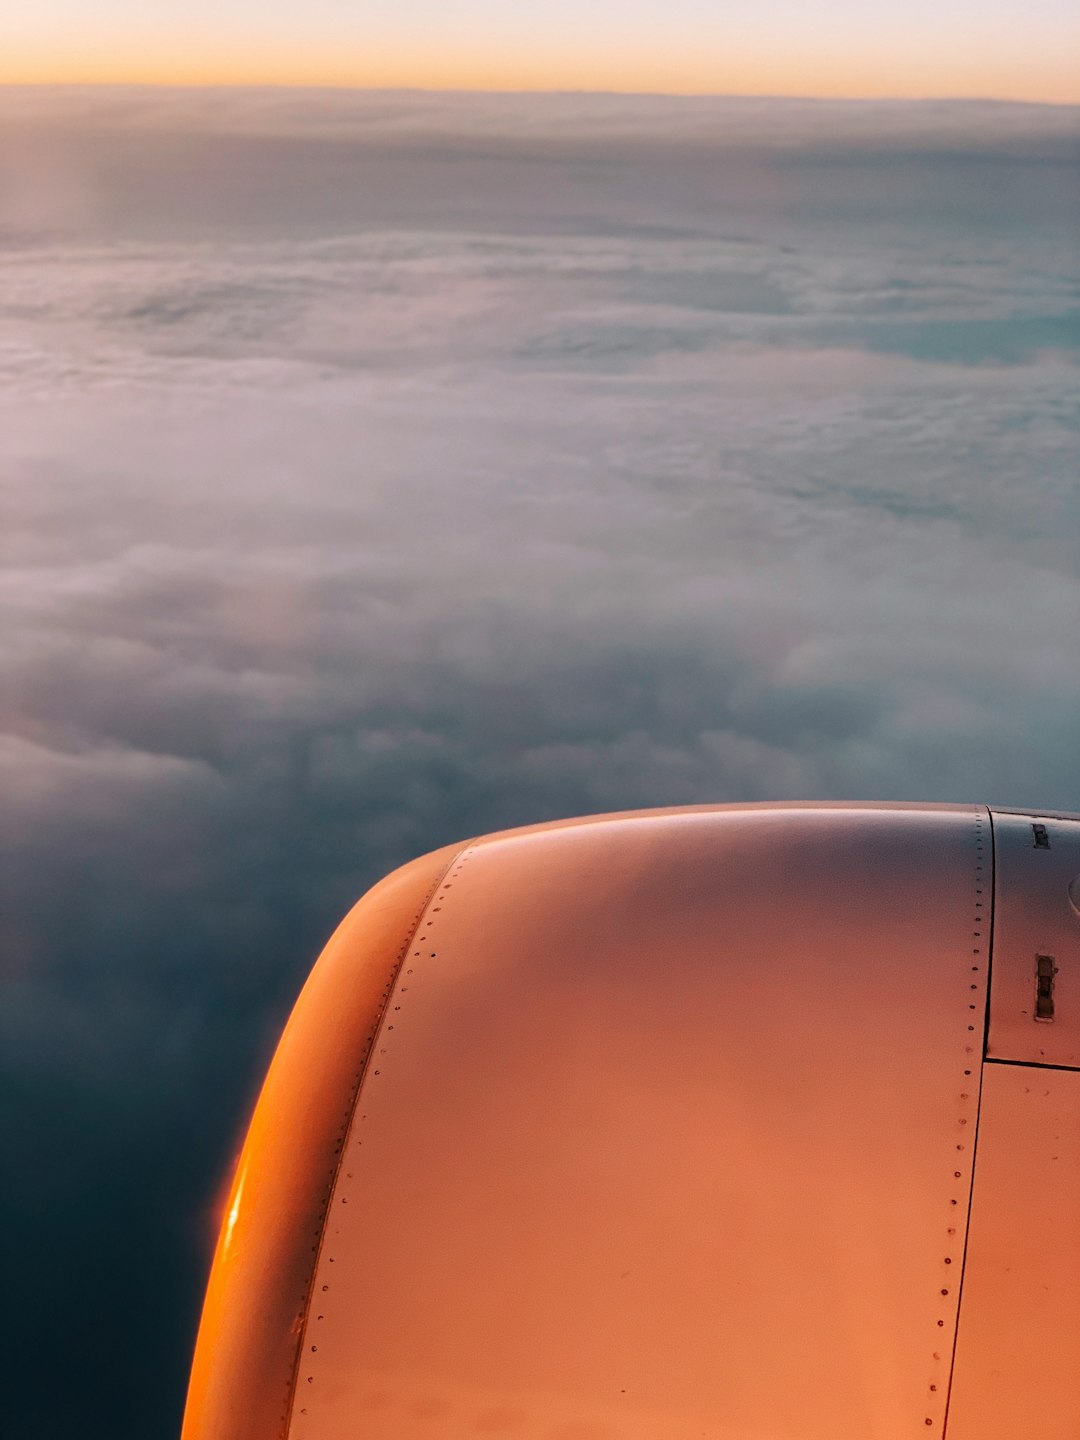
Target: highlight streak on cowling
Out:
[234,1209]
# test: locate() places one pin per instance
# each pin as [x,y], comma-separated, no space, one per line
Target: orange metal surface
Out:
[249,1335]
[1035,926]
[667,1134]
[1018,1351]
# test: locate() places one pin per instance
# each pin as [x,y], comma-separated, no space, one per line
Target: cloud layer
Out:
[380,470]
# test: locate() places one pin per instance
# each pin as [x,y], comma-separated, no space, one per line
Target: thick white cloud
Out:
[265,491]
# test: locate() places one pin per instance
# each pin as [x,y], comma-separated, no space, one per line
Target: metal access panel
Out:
[1035,985]
[1017,1369]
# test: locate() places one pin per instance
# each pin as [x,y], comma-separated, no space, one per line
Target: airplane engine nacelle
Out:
[748,1123]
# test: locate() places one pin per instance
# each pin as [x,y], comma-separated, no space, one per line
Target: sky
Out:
[380,469]
[1005,49]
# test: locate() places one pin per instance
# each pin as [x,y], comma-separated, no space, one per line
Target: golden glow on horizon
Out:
[832,73]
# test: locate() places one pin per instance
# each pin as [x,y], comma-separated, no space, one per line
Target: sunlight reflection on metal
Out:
[234,1208]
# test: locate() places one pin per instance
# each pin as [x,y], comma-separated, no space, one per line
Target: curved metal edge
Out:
[730,806]
[247,1348]
[420,933]
[1036,814]
[982,965]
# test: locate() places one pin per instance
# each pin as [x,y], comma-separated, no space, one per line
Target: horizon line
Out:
[536,91]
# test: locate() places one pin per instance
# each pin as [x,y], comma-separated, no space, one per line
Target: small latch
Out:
[1042,839]
[1045,970]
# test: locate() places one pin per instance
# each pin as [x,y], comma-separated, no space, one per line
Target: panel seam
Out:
[1029,1064]
[391,985]
[978,1116]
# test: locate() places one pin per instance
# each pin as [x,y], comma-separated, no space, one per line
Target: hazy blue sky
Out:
[378,470]
[1019,49]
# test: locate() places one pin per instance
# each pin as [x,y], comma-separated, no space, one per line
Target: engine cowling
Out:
[738,1122]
